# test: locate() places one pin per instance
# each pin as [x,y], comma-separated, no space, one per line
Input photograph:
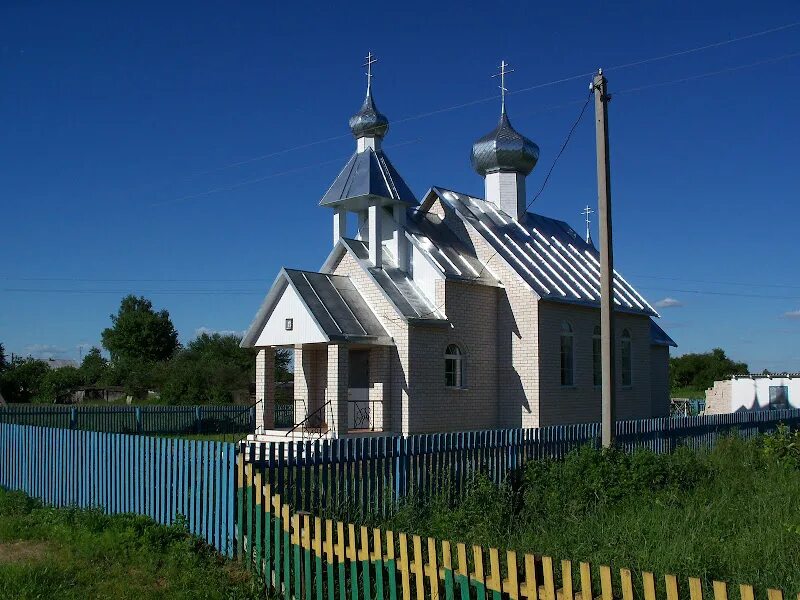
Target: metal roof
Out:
[369,120]
[368,175]
[334,303]
[659,337]
[396,285]
[546,253]
[504,149]
[445,250]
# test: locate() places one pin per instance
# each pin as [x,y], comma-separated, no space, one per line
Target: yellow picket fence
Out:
[309,558]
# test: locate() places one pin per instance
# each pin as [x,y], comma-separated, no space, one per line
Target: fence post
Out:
[197,421]
[73,418]
[138,419]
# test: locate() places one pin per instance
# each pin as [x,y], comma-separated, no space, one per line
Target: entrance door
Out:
[358,408]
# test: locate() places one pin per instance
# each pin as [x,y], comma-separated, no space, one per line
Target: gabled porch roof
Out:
[322,307]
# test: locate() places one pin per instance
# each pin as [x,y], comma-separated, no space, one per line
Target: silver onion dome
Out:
[368,121]
[503,149]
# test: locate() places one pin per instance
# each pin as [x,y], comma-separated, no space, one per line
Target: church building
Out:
[449,312]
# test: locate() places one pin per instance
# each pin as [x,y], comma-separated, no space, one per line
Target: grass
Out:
[71,553]
[730,514]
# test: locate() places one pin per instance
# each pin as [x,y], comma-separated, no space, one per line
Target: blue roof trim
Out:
[659,337]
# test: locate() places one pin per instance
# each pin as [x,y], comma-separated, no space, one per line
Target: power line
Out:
[705,47]
[623,91]
[262,280]
[735,294]
[743,283]
[234,186]
[128,291]
[547,177]
[219,292]
[521,90]
[709,73]
[161,280]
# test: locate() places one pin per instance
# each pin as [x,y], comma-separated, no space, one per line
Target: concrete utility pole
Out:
[609,387]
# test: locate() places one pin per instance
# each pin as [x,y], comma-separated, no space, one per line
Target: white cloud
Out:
[45,350]
[207,330]
[792,314]
[668,303]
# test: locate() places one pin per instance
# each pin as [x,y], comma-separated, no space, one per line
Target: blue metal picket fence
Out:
[163,478]
[157,477]
[353,477]
[134,419]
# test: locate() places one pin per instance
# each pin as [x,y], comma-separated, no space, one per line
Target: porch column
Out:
[301,376]
[379,387]
[265,389]
[338,383]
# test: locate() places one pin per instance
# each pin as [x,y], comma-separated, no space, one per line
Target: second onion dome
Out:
[504,149]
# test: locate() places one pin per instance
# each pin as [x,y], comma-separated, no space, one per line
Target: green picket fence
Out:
[306,557]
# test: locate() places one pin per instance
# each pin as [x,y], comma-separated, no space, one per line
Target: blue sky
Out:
[152,148]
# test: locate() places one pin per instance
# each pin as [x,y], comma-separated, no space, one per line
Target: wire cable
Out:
[519,91]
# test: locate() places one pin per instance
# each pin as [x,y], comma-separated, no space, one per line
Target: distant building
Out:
[456,313]
[58,363]
[753,392]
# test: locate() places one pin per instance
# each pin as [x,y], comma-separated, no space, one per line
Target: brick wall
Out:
[659,381]
[581,403]
[470,309]
[516,327]
[718,398]
[395,416]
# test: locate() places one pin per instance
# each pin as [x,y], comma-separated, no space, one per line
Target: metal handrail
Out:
[307,418]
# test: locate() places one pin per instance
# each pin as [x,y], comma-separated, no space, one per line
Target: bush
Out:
[587,480]
[783,446]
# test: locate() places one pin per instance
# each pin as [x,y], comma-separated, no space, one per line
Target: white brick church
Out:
[453,313]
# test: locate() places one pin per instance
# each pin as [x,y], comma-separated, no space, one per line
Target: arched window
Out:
[453,367]
[597,359]
[625,355]
[567,355]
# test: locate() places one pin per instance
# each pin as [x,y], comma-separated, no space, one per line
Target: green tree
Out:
[208,370]
[93,367]
[58,383]
[22,379]
[699,371]
[282,359]
[138,332]
[3,361]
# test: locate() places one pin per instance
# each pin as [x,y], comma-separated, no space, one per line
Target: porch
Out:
[340,390]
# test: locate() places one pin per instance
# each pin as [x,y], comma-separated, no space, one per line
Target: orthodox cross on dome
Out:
[588,211]
[371,60]
[504,70]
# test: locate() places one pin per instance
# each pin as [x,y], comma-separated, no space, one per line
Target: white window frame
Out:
[454,356]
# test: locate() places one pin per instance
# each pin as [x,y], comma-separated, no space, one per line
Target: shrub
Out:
[783,446]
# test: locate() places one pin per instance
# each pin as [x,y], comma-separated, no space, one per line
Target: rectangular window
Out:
[567,358]
[597,362]
[778,397]
[452,372]
[626,363]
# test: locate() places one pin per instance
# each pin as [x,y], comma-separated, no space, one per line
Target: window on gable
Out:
[778,397]
[597,359]
[625,356]
[453,367]
[567,354]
